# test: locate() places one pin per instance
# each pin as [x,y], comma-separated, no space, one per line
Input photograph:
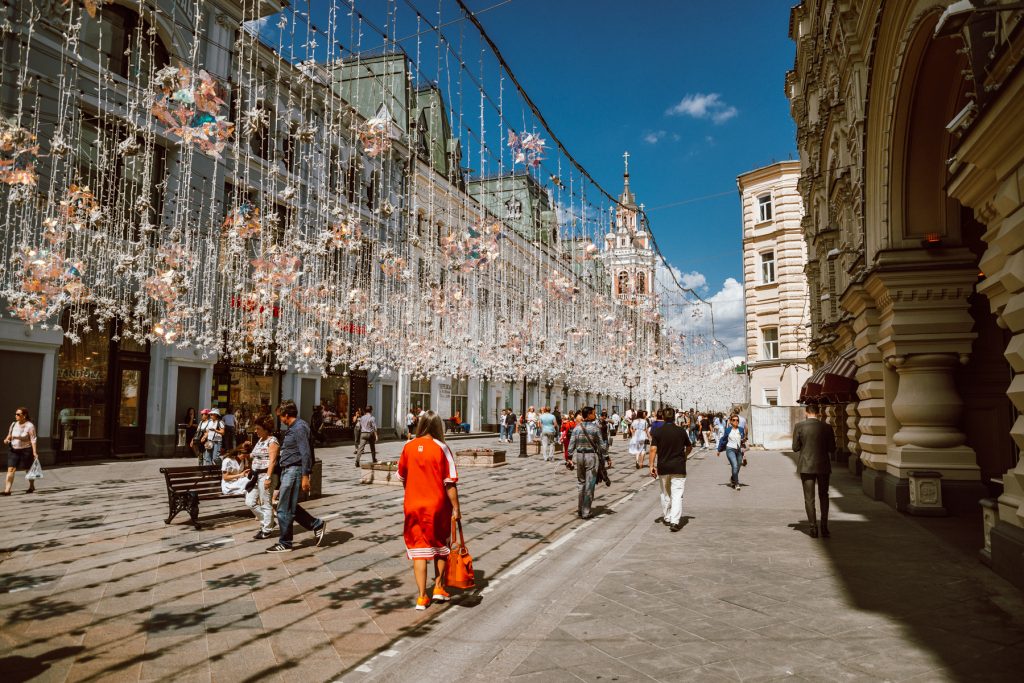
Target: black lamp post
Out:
[522,425]
[630,382]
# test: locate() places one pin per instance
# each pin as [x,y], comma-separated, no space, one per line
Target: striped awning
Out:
[811,389]
[833,382]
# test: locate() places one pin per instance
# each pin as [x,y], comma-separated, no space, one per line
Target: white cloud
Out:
[255,26]
[704,106]
[655,137]
[684,315]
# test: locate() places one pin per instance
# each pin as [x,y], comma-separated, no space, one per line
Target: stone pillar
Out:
[871,408]
[925,329]
[473,399]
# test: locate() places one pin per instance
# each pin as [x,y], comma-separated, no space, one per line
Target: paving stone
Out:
[736,595]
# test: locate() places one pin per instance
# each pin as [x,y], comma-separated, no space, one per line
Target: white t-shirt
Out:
[209,426]
[734,439]
[236,487]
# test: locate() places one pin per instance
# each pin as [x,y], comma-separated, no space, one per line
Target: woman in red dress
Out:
[427,470]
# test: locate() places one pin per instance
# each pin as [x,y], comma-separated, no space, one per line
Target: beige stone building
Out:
[774,284]
[910,122]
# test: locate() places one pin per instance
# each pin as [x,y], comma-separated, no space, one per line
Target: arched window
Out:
[623,287]
[641,283]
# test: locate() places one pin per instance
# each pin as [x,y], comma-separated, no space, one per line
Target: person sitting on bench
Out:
[234,479]
[458,424]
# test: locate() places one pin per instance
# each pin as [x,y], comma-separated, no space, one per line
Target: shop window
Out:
[460,397]
[419,393]
[335,391]
[767,267]
[82,385]
[770,343]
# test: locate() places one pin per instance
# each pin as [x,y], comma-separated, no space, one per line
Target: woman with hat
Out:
[211,434]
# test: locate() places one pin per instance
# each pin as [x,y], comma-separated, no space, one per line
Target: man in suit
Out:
[814,445]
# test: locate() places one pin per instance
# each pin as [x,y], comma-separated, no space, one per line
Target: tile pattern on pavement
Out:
[743,593]
[95,587]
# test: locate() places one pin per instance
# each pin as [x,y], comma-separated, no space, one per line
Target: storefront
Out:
[250,390]
[101,395]
[335,396]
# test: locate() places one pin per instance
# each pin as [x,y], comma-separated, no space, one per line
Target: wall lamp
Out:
[957,15]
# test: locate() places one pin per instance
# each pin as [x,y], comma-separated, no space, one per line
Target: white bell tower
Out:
[628,255]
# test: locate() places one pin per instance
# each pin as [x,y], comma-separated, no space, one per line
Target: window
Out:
[513,209]
[112,39]
[623,283]
[770,338]
[771,397]
[767,267]
[419,393]
[641,283]
[460,397]
[764,208]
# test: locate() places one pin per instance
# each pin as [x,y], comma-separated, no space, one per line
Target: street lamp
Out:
[955,17]
[630,381]
[522,425]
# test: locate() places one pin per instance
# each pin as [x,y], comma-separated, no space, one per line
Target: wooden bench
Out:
[186,486]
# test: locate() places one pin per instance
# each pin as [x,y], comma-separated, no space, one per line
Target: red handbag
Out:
[459,573]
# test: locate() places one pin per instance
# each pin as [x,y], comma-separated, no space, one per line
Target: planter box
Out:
[480,457]
[384,473]
[533,448]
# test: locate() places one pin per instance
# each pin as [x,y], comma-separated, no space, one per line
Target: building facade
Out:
[909,129]
[105,393]
[774,284]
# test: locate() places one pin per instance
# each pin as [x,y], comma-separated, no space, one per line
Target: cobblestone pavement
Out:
[742,593]
[95,587]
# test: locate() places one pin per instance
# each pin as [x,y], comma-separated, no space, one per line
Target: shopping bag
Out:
[35,472]
[459,573]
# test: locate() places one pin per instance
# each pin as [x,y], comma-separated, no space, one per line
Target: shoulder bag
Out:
[459,572]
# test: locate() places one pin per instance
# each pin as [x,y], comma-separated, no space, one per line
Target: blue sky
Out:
[607,73]
[693,89]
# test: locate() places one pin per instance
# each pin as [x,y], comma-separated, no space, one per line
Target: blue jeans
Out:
[506,431]
[735,460]
[211,456]
[288,508]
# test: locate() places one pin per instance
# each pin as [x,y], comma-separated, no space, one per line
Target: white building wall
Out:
[782,303]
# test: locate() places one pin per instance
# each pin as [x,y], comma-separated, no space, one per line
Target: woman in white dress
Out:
[638,442]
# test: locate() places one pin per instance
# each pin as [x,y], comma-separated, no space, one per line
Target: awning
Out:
[840,383]
[811,390]
[834,382]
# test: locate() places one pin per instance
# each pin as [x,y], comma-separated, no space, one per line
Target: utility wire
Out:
[579,167]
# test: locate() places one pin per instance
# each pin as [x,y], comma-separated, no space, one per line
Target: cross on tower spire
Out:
[625,156]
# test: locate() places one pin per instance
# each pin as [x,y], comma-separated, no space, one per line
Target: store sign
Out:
[444,389]
[245,305]
[73,374]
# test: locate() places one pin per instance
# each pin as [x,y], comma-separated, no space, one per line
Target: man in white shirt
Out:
[367,435]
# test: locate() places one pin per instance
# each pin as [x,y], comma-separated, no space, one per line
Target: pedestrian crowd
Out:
[272,467]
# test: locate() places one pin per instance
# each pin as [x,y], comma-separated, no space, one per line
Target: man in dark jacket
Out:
[814,445]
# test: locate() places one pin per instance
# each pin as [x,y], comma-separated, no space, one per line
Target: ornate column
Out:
[925,330]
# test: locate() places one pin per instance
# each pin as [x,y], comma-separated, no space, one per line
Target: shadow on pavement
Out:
[951,605]
[18,668]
